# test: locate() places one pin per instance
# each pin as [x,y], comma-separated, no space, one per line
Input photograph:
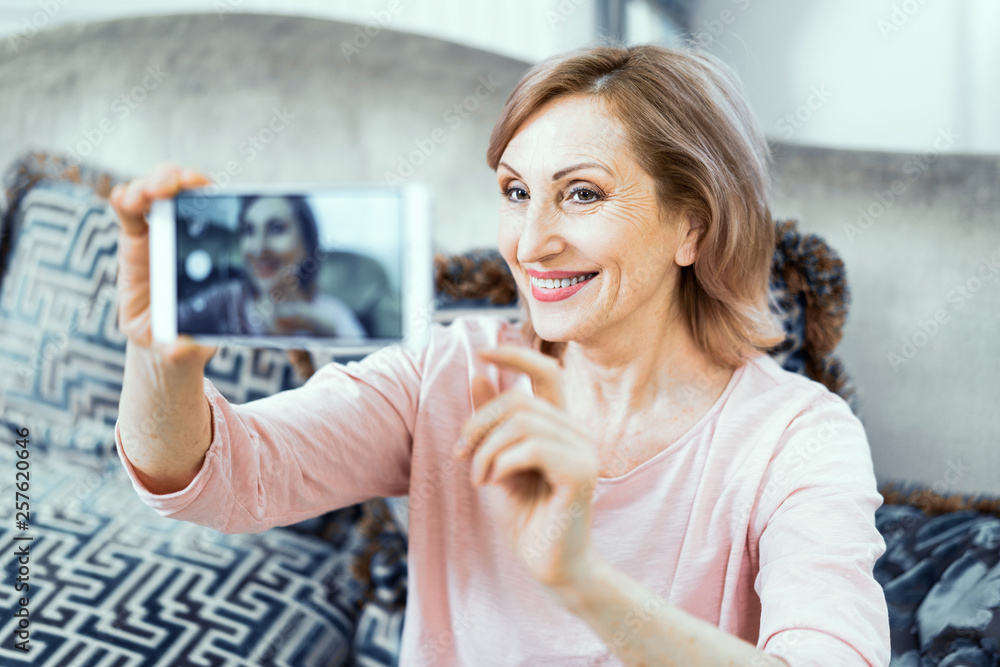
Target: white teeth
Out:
[548,283]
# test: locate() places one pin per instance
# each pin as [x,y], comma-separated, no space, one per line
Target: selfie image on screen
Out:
[316,265]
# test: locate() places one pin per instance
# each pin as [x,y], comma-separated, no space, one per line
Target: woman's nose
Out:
[541,235]
[254,245]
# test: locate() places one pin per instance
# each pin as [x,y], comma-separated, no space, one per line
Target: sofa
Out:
[112,583]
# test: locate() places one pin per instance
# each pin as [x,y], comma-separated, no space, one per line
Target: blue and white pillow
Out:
[113,583]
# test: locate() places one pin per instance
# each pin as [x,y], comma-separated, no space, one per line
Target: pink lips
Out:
[265,268]
[556,293]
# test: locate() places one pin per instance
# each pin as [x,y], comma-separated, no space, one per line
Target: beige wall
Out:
[920,237]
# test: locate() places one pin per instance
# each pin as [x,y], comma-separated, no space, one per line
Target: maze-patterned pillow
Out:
[61,353]
[940,579]
[113,583]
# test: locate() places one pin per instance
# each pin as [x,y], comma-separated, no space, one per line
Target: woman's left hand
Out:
[540,465]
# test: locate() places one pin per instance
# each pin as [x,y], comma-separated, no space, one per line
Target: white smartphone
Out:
[348,267]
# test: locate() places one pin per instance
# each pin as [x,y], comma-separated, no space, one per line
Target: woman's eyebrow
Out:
[583,165]
[510,169]
[562,172]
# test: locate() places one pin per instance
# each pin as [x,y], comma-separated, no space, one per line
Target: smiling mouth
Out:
[266,268]
[558,289]
[560,283]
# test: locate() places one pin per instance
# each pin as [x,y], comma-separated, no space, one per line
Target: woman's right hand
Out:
[131,202]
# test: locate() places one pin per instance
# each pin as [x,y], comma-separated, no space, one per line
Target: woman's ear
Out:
[692,228]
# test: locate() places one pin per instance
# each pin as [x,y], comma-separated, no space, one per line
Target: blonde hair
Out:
[689,127]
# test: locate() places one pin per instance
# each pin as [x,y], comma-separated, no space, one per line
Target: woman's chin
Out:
[548,328]
[263,286]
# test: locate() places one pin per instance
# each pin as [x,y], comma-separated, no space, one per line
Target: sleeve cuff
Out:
[802,647]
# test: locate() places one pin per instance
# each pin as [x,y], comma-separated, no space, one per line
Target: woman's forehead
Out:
[568,128]
[270,206]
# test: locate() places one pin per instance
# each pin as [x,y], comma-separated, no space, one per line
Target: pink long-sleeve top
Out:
[759,520]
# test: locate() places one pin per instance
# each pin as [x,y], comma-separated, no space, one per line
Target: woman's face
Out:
[272,242]
[577,207]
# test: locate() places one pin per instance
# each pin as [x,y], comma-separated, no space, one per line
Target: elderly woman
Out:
[626,477]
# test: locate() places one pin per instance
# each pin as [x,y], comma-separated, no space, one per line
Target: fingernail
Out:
[132,198]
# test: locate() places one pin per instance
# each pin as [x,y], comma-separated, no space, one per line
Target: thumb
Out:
[185,350]
[482,391]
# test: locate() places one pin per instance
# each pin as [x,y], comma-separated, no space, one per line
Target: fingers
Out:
[291,316]
[300,309]
[546,382]
[482,391]
[511,415]
[569,470]
[486,418]
[527,459]
[169,179]
[544,371]
[131,201]
[185,351]
[130,206]
[290,326]
[519,427]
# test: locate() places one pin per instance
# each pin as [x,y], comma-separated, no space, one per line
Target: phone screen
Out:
[315,264]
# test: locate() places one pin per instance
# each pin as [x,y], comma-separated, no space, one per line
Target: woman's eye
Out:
[515,194]
[277,227]
[246,230]
[584,195]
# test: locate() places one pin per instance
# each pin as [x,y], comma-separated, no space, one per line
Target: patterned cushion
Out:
[61,353]
[113,583]
[809,292]
[941,576]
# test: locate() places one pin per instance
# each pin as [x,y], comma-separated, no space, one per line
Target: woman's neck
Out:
[639,368]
